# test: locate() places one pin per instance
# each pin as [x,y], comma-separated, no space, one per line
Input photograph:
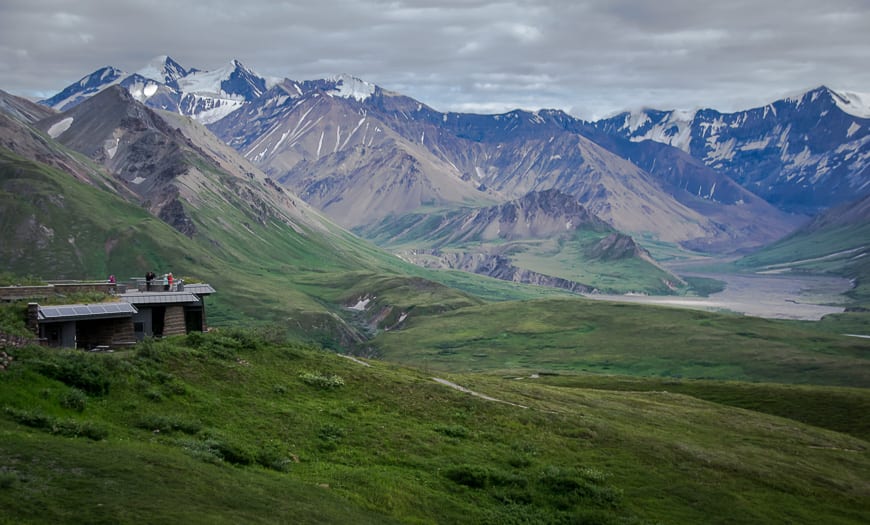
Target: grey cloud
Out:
[591,57]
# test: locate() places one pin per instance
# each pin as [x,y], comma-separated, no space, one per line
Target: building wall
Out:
[174,321]
[143,319]
[87,334]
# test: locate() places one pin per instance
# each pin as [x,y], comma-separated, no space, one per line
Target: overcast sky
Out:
[591,58]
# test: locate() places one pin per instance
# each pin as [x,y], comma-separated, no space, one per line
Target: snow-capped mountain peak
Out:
[348,86]
[803,152]
[84,88]
[164,70]
[855,104]
[234,79]
[668,127]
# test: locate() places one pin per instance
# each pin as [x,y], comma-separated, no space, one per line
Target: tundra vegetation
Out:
[241,426]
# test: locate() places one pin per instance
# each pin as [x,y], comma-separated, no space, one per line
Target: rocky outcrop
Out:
[173,213]
[617,246]
[496,266]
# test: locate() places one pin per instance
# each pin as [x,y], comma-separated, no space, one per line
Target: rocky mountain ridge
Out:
[386,155]
[540,238]
[803,153]
[165,84]
[361,153]
[170,164]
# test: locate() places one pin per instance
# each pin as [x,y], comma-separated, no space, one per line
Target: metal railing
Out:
[156,285]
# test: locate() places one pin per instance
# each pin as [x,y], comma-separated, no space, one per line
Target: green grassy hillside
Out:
[264,271]
[228,427]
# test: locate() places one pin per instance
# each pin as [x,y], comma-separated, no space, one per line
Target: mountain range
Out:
[114,187]
[804,153]
[387,166]
[557,410]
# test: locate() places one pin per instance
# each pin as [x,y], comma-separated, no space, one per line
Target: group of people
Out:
[169,283]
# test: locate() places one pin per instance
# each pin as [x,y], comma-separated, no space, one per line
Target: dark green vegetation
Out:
[577,335]
[836,408]
[235,427]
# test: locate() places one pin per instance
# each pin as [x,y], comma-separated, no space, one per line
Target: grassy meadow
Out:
[597,412]
[579,335]
[240,427]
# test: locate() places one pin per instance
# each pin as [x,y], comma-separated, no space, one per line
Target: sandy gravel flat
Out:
[773,296]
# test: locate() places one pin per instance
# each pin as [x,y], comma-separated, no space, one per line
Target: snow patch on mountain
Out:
[634,120]
[222,107]
[348,86]
[855,104]
[206,81]
[675,130]
[111,146]
[719,150]
[58,128]
[142,91]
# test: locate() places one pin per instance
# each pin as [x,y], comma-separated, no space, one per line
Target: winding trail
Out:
[445,383]
[354,359]
[472,392]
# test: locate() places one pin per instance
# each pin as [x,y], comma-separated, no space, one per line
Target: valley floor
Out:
[771,296]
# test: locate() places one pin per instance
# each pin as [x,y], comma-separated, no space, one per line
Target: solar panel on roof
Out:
[85,310]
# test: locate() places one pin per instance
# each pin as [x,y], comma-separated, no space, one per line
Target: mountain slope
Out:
[803,153]
[22,109]
[360,154]
[546,238]
[271,256]
[339,156]
[364,158]
[742,214]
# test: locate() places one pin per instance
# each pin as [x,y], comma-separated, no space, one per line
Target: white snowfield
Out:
[58,128]
[352,87]
[856,104]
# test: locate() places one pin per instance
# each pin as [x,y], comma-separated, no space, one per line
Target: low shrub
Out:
[168,424]
[454,431]
[330,436]
[153,350]
[74,399]
[83,371]
[215,449]
[60,427]
[571,486]
[478,477]
[8,479]
[276,460]
[324,381]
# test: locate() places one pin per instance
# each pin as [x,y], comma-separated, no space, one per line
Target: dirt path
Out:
[354,359]
[472,392]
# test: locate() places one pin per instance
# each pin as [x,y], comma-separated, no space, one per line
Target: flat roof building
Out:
[132,317]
